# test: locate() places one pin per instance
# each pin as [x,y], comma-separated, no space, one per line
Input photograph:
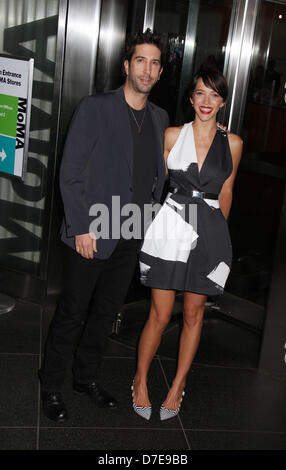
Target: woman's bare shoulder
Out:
[171,135]
[235,140]
[173,130]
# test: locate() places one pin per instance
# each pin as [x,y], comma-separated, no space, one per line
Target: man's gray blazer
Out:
[97,163]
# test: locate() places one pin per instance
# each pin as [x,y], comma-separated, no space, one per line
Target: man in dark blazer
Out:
[114,149]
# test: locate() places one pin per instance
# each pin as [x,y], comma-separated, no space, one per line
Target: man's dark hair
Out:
[212,78]
[148,37]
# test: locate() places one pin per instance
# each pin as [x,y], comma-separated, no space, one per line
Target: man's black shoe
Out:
[98,396]
[53,406]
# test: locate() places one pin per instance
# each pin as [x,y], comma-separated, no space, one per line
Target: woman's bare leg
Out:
[162,302]
[190,337]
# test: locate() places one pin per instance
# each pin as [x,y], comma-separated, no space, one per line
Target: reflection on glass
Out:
[194,32]
[266,95]
[212,32]
[171,21]
[260,183]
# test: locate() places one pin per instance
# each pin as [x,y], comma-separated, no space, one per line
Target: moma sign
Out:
[15,105]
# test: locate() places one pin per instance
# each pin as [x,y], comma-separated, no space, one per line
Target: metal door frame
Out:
[238,60]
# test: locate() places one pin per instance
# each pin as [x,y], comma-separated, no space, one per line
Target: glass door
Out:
[260,184]
[194,32]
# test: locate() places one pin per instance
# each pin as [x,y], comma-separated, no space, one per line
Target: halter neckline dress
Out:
[187,247]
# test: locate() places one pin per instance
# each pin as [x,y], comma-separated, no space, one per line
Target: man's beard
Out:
[139,88]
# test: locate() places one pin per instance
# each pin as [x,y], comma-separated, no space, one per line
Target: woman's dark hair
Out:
[148,37]
[212,78]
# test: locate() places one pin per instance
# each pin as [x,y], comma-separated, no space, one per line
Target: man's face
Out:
[144,69]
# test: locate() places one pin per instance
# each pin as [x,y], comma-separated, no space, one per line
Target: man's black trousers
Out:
[94,291]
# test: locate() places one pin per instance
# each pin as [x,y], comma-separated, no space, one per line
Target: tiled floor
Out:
[228,403]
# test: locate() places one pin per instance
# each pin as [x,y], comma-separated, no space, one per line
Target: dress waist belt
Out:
[195,193]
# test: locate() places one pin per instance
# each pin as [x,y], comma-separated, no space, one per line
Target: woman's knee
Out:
[159,318]
[193,315]
[162,303]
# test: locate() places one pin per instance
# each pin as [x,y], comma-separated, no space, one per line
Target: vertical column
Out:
[238,54]
[149,14]
[113,22]
[138,15]
[83,24]
[189,52]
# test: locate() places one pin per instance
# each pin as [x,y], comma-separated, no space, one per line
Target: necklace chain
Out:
[138,126]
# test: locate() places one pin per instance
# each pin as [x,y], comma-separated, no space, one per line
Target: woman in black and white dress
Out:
[187,247]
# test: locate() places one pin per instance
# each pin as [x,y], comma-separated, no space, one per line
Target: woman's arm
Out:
[225,197]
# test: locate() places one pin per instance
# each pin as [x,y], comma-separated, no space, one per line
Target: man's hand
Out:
[85,245]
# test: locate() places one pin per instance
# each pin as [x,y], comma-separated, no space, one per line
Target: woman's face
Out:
[206,101]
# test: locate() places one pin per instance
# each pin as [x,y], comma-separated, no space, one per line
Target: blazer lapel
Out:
[123,127]
[159,131]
